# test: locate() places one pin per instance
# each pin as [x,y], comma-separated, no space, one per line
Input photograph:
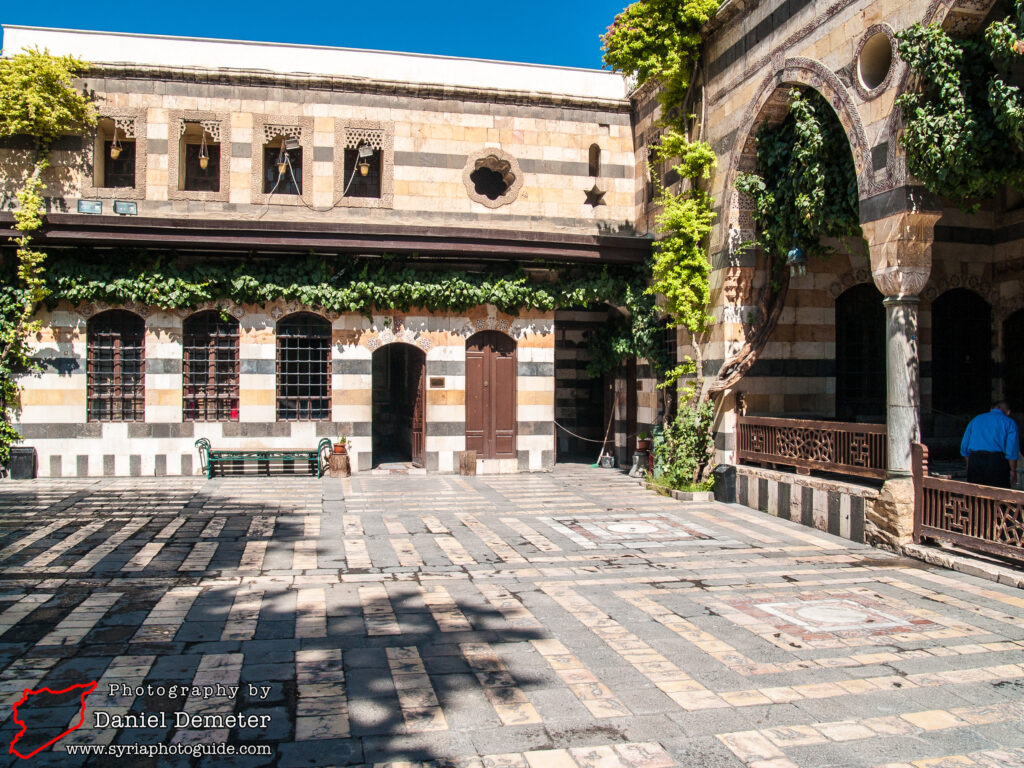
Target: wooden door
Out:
[491,395]
[418,383]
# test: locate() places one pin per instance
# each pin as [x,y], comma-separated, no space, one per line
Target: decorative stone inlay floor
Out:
[531,621]
[640,531]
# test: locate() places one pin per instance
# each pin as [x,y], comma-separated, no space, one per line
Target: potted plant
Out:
[341,447]
[643,441]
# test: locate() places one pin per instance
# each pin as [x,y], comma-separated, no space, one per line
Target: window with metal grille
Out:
[303,368]
[211,367]
[115,366]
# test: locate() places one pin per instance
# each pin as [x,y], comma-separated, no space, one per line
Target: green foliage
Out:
[964,131]
[639,335]
[684,447]
[358,285]
[659,40]
[38,96]
[805,187]
[679,265]
[38,100]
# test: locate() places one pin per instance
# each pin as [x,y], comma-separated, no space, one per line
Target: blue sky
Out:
[552,32]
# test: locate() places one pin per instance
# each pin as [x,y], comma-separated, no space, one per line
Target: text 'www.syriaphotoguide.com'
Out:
[161,750]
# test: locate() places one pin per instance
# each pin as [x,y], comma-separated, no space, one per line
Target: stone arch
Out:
[399,336]
[771,104]
[285,309]
[957,17]
[849,280]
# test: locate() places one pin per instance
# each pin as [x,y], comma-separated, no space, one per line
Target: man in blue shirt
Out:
[990,446]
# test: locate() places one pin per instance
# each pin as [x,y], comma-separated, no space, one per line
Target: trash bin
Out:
[23,462]
[725,483]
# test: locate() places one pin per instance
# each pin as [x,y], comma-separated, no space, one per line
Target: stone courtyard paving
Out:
[530,621]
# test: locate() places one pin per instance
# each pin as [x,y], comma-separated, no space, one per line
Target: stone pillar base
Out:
[890,522]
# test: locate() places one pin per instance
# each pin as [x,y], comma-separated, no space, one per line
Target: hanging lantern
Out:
[796,260]
[204,155]
[115,147]
[282,159]
[365,153]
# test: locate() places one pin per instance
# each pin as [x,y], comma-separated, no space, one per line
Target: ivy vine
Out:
[964,123]
[660,41]
[38,99]
[361,284]
[805,184]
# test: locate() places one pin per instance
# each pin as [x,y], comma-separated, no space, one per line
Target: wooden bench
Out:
[209,458]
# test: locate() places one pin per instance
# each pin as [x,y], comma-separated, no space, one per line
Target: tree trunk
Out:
[771,302]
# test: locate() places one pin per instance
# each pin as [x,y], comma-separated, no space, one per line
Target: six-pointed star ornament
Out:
[595,197]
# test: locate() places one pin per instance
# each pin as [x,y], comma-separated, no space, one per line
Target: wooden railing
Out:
[828,446]
[978,517]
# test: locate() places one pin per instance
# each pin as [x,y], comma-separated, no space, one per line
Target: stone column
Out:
[903,387]
[900,242]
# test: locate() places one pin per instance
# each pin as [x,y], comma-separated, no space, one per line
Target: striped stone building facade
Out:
[921,325]
[559,139]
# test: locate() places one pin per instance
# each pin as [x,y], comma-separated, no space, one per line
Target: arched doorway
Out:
[399,404]
[860,354]
[1013,361]
[961,353]
[491,395]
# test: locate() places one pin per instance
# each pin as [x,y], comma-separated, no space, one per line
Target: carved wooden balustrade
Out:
[828,446]
[978,517]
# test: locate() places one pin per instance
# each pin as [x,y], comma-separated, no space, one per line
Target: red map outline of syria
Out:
[88,688]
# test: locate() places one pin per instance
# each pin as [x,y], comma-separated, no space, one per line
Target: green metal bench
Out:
[209,458]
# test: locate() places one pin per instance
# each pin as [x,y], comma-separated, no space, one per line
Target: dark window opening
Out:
[120,171]
[1013,361]
[961,353]
[274,181]
[860,354]
[303,368]
[356,184]
[197,178]
[115,363]
[211,367]
[595,160]
[488,183]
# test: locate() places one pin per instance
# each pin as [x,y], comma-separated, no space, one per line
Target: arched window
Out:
[595,160]
[115,366]
[303,368]
[860,354]
[210,351]
[1013,361]
[961,353]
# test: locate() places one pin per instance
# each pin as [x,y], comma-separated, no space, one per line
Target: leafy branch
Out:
[38,99]
[964,123]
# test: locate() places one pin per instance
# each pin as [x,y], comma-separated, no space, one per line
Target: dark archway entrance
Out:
[860,355]
[961,353]
[1013,361]
[491,395]
[399,404]
[582,402]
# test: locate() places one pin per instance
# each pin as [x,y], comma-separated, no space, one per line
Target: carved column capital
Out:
[898,282]
[900,247]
